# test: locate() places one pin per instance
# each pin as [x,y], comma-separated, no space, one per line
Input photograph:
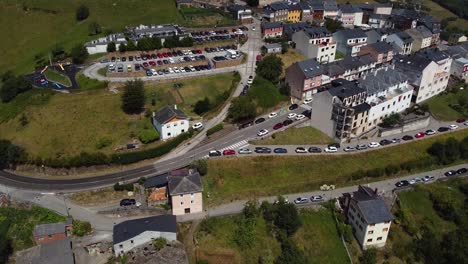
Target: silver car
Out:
[244,151]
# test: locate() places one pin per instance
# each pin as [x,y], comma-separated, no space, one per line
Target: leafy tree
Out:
[145,44]
[58,53]
[24,120]
[131,46]
[252,3]
[290,253]
[82,12]
[287,218]
[79,54]
[369,256]
[285,89]
[245,236]
[7,93]
[202,106]
[81,228]
[201,166]
[242,108]
[156,43]
[270,68]
[111,47]
[9,153]
[186,42]
[333,25]
[94,29]
[454,245]
[133,97]
[122,47]
[13,85]
[391,120]
[171,42]
[148,135]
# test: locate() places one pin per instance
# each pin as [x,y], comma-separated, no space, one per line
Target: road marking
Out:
[235,146]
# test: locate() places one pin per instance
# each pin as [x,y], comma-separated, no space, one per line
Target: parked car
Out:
[428,178]
[315,150]
[260,120]
[407,137]
[420,135]
[396,140]
[453,127]
[301,200]
[214,153]
[262,132]
[293,107]
[450,173]
[228,152]
[287,122]
[300,117]
[336,145]
[361,147]
[443,129]
[128,202]
[244,151]
[273,115]
[331,149]
[316,198]
[349,149]
[301,150]
[460,120]
[402,183]
[415,181]
[373,145]
[462,171]
[278,126]
[292,115]
[308,100]
[250,80]
[262,150]
[385,142]
[280,150]
[430,132]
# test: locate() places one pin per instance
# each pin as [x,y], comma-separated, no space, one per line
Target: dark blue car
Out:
[280,150]
[149,73]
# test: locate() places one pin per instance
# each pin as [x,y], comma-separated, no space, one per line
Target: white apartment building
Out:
[170,122]
[402,42]
[427,72]
[350,41]
[315,43]
[100,45]
[387,92]
[369,216]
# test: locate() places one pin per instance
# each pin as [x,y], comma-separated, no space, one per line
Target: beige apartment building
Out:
[185,192]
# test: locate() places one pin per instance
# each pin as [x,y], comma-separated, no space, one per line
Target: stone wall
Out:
[414,123]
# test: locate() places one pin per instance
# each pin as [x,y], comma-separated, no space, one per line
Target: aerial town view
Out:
[234,131]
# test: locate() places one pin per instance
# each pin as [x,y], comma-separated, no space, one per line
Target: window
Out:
[168,134]
[372,225]
[181,203]
[175,124]
[191,201]
[120,246]
[131,241]
[168,126]
[370,232]
[181,195]
[369,240]
[379,238]
[385,229]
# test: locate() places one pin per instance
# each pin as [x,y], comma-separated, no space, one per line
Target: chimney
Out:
[375,190]
[154,114]
[175,107]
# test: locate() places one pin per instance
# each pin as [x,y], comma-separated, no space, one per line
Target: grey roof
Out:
[379,16]
[49,229]
[270,25]
[291,28]
[371,206]
[347,9]
[304,6]
[237,8]
[352,33]
[132,228]
[316,5]
[182,184]
[425,32]
[380,80]
[277,6]
[345,89]
[317,32]
[405,37]
[53,252]
[361,108]
[458,51]
[381,47]
[156,181]
[414,61]
[272,45]
[330,5]
[167,113]
[434,55]
[310,68]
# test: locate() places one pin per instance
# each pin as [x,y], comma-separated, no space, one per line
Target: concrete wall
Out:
[145,237]
[410,125]
[322,112]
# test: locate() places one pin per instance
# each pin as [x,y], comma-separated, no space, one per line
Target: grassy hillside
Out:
[35,26]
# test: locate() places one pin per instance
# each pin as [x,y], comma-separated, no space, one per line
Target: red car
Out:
[278,126]
[145,64]
[460,120]
[165,55]
[152,63]
[199,51]
[227,152]
[160,62]
[159,55]
[419,135]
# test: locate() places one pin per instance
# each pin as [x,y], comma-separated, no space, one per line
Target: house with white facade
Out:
[402,42]
[315,43]
[241,13]
[428,72]
[100,45]
[350,41]
[369,216]
[133,233]
[349,15]
[185,191]
[330,9]
[170,122]
[388,92]
[421,36]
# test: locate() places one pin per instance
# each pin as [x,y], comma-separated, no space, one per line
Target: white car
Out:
[466,123]
[316,198]
[137,204]
[171,60]
[301,150]
[273,115]
[349,149]
[453,127]
[300,117]
[428,178]
[250,80]
[373,145]
[154,72]
[262,132]
[197,125]
[308,100]
[244,151]
[292,115]
[301,200]
[330,149]
[170,70]
[182,69]
[430,132]
[176,70]
[192,68]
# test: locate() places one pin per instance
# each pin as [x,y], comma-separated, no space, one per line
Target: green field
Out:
[54,76]
[440,13]
[265,94]
[86,83]
[35,26]
[248,177]
[199,17]
[296,136]
[61,125]
[440,105]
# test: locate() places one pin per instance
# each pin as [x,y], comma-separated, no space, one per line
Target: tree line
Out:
[11,86]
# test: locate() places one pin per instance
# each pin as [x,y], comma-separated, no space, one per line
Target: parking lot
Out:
[217,35]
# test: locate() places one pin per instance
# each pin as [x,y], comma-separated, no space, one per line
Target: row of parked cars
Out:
[428,178]
[174,60]
[221,48]
[175,70]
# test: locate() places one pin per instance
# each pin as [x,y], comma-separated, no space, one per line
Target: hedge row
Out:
[214,129]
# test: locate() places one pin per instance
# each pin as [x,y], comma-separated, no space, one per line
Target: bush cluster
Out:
[11,85]
[214,129]
[123,187]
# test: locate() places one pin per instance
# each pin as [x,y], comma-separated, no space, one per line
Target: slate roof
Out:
[330,5]
[434,55]
[270,25]
[156,181]
[167,113]
[361,108]
[405,37]
[49,229]
[54,252]
[380,80]
[236,8]
[291,28]
[352,33]
[317,32]
[425,32]
[371,206]
[277,6]
[346,89]
[132,228]
[316,5]
[182,184]
[347,9]
[381,47]
[184,1]
[310,68]
[458,51]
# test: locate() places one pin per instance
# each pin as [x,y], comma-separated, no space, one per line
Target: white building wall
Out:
[426,42]
[397,104]
[374,235]
[171,129]
[358,18]
[145,237]
[434,80]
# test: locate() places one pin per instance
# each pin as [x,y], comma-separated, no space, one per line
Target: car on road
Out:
[336,145]
[453,127]
[415,181]
[450,173]
[407,137]
[293,107]
[214,153]
[228,152]
[260,120]
[129,202]
[292,115]
[428,178]
[301,200]
[287,122]
[396,140]
[244,151]
[330,149]
[300,117]
[316,198]
[301,150]
[460,120]
[308,100]
[361,147]
[315,150]
[419,135]
[373,145]
[462,171]
[466,123]
[402,183]
[262,132]
[273,115]
[198,125]
[349,149]
[262,150]
[280,150]
[443,129]
[307,113]
[250,80]
[385,142]
[278,126]
[430,132]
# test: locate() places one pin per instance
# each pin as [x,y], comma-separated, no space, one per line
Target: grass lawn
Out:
[319,238]
[63,125]
[248,177]
[86,83]
[296,136]
[439,105]
[198,17]
[54,76]
[289,58]
[41,24]
[265,94]
[440,13]
[18,224]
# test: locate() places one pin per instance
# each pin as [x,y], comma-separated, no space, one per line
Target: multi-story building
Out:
[276,12]
[380,21]
[421,37]
[330,9]
[387,92]
[294,13]
[304,78]
[434,26]
[382,52]
[318,11]
[306,12]
[402,42]
[349,68]
[350,41]
[272,29]
[185,192]
[100,45]
[369,216]
[154,31]
[378,35]
[428,72]
[290,28]
[315,43]
[263,3]
[242,13]
[459,68]
[349,15]
[170,122]
[404,18]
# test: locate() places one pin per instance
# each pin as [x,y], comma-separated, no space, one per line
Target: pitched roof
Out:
[348,8]
[185,183]
[425,32]
[310,68]
[49,229]
[371,206]
[381,47]
[132,228]
[270,25]
[345,88]
[380,80]
[352,33]
[405,37]
[278,6]
[316,32]
[316,5]
[330,5]
[156,181]
[167,113]
[236,8]
[54,252]
[361,108]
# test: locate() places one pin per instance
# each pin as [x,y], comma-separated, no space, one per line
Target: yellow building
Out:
[294,14]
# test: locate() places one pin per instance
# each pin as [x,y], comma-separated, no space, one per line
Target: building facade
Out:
[315,43]
[242,13]
[276,12]
[421,36]
[350,41]
[170,122]
[459,68]
[304,78]
[272,29]
[402,42]
[100,45]
[185,192]
[382,52]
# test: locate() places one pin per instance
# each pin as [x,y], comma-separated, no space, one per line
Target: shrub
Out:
[103,142]
[148,135]
[392,170]
[82,12]
[124,187]
[201,166]
[133,97]
[214,129]
[81,228]
[159,243]
[202,106]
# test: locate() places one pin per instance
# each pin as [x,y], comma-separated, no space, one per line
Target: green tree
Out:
[9,153]
[202,106]
[122,47]
[369,256]
[391,120]
[201,166]
[79,54]
[290,253]
[156,43]
[133,97]
[131,46]
[145,44]
[251,210]
[111,47]
[333,25]
[82,12]
[242,108]
[287,218]
[94,29]
[270,68]
[185,42]
[13,85]
[454,245]
[427,248]
[24,120]
[245,236]
[81,228]
[464,148]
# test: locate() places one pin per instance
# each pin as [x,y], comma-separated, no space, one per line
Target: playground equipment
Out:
[45,69]
[57,85]
[61,67]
